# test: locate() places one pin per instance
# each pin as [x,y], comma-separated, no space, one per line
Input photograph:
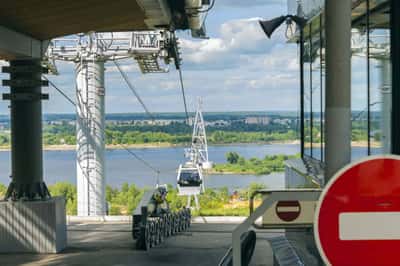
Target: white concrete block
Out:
[34,227]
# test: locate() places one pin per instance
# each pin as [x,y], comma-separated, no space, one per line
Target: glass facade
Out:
[371,82]
[314,83]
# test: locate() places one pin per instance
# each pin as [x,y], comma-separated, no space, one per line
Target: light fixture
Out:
[269,26]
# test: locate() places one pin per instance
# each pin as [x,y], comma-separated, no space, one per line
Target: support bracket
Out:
[21,96]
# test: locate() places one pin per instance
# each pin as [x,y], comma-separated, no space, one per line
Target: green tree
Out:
[232,157]
[3,190]
[241,161]
[67,190]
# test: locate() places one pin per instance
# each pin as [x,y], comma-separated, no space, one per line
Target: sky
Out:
[237,69]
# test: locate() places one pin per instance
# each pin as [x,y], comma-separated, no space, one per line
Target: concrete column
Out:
[386,99]
[338,85]
[26,130]
[90,138]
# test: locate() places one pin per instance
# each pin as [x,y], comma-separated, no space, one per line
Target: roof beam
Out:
[15,45]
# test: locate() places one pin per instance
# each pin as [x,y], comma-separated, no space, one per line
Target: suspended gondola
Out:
[190,179]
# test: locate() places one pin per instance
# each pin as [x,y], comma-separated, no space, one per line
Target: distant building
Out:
[144,122]
[283,121]
[257,120]
[218,123]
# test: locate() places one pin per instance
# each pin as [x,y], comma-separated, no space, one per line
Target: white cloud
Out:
[237,40]
[238,69]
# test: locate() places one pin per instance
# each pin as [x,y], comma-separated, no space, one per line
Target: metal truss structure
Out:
[153,50]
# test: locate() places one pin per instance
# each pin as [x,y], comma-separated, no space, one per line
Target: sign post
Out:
[357,220]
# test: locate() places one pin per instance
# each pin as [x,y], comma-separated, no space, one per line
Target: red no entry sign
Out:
[288,211]
[357,221]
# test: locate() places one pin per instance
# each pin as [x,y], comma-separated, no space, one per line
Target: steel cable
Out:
[130,85]
[105,131]
[183,95]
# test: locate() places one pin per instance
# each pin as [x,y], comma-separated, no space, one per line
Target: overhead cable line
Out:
[141,159]
[60,91]
[105,131]
[362,112]
[183,94]
[130,85]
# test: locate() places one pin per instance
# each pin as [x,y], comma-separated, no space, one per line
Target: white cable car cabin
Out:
[190,180]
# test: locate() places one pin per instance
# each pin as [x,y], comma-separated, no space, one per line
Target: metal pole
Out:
[302,92]
[395,58]
[26,130]
[311,91]
[321,96]
[338,85]
[368,79]
[386,96]
[90,138]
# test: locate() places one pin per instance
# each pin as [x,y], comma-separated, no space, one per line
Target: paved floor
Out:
[111,244]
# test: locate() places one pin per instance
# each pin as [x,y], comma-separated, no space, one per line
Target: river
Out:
[121,167]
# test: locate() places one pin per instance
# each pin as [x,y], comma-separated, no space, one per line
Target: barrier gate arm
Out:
[274,196]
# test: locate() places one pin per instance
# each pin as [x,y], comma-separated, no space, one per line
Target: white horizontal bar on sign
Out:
[369,226]
[288,209]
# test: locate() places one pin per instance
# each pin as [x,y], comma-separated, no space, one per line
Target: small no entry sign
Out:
[288,211]
[357,220]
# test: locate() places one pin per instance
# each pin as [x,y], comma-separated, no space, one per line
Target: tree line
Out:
[265,166]
[125,199]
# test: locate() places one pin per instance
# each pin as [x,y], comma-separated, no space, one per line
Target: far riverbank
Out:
[67,147]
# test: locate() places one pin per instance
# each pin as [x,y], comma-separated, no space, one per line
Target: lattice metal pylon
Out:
[199,150]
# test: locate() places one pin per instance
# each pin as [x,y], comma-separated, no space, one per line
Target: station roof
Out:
[46,19]
[27,25]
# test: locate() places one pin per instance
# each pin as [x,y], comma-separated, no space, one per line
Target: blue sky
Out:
[237,69]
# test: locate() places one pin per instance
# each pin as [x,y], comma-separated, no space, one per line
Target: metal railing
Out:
[273,197]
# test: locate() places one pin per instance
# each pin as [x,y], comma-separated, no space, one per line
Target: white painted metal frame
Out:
[199,151]
[147,47]
[89,53]
[107,45]
[275,195]
[90,137]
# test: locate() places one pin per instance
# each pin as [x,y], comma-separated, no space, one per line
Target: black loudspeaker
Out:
[269,26]
[301,22]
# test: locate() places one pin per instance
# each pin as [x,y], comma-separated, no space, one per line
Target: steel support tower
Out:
[90,124]
[198,152]
[89,54]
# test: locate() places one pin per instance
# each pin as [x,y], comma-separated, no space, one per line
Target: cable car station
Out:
[318,218]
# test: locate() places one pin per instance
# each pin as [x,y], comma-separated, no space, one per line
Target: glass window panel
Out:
[359,92]
[380,89]
[322,58]
[307,98]
[316,96]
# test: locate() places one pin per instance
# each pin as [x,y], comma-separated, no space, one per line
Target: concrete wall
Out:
[33,227]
